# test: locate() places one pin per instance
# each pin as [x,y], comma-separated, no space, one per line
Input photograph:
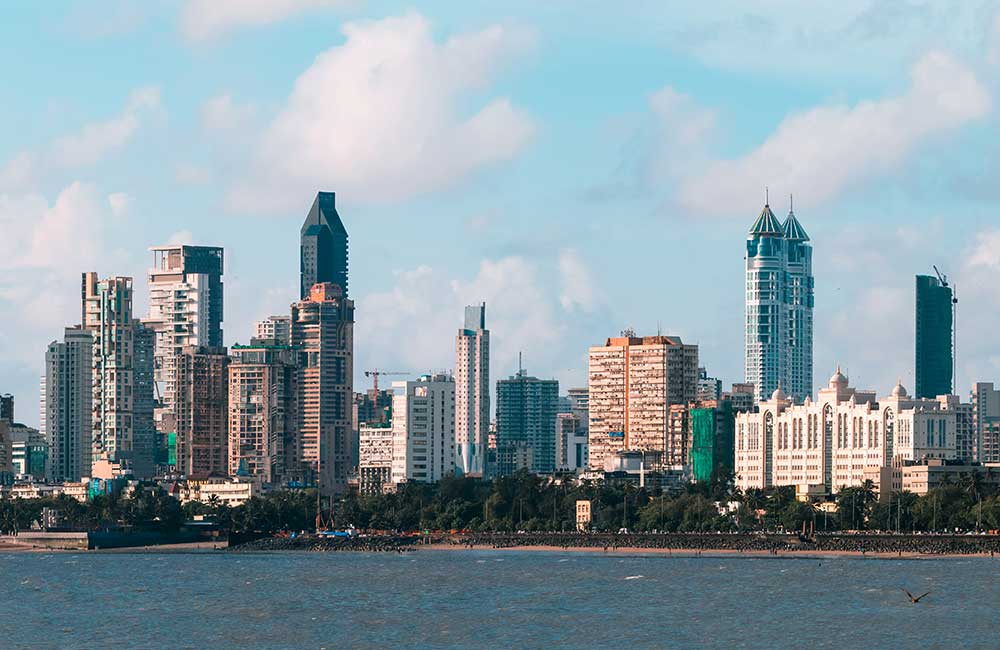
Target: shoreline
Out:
[715,553]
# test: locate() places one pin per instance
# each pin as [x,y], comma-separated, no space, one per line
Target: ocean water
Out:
[491,600]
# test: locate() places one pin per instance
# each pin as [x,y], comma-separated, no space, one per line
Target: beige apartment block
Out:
[633,381]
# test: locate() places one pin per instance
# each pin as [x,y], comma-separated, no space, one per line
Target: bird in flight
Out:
[914,599]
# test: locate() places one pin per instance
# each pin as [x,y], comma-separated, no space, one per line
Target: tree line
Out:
[533,503]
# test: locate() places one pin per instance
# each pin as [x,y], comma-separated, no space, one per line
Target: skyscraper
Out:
[933,337]
[122,374]
[779,307]
[472,392]
[633,382]
[7,408]
[185,309]
[526,417]
[263,379]
[200,400]
[323,328]
[423,429]
[323,249]
[67,395]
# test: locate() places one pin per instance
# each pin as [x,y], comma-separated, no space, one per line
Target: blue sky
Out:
[581,167]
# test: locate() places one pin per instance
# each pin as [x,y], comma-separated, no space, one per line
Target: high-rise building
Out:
[274,328]
[6,450]
[201,401]
[579,404]
[323,250]
[263,383]
[423,429]
[123,430]
[185,309]
[7,407]
[323,329]
[472,392]
[633,382]
[526,416]
[571,443]
[709,388]
[986,422]
[712,442]
[741,396]
[933,359]
[66,399]
[374,458]
[779,307]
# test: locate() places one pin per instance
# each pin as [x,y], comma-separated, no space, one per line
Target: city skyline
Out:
[105,167]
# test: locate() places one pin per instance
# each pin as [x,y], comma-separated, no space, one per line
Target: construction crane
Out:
[376,373]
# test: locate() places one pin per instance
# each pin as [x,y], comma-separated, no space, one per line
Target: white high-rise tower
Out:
[779,306]
[472,392]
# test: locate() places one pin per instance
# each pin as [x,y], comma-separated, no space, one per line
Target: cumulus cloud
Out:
[91,144]
[577,287]
[222,113]
[383,116]
[205,19]
[826,150]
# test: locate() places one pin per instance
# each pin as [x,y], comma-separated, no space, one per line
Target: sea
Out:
[492,600]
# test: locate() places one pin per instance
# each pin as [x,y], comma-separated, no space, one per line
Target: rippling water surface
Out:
[491,600]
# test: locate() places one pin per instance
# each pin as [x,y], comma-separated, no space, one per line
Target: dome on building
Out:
[898,390]
[778,395]
[838,379]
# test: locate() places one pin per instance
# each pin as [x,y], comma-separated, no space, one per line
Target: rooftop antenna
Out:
[658,332]
[766,195]
[791,204]
[520,368]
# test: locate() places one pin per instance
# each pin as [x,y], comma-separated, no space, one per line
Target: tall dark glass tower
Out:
[934,337]
[323,250]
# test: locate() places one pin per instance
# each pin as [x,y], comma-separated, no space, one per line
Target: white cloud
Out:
[191,174]
[221,113]
[181,237]
[826,150]
[993,42]
[119,203]
[577,286]
[204,19]
[91,144]
[986,251]
[382,117]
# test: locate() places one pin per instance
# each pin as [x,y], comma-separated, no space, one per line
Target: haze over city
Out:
[582,170]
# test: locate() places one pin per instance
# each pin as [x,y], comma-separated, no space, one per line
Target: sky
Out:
[582,167]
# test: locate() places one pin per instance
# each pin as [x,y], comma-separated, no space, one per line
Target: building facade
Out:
[633,381]
[779,307]
[842,439]
[323,329]
[472,392]
[423,429]
[713,436]
[122,372]
[374,458]
[323,246]
[185,310]
[66,405]
[933,356]
[571,443]
[263,387]
[526,416]
[277,329]
[986,421]
[201,405]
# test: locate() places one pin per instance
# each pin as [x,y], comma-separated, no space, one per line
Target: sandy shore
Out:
[708,553]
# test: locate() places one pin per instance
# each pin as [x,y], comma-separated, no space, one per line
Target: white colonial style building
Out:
[843,438]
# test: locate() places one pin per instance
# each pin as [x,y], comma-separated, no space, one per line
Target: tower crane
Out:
[376,373]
